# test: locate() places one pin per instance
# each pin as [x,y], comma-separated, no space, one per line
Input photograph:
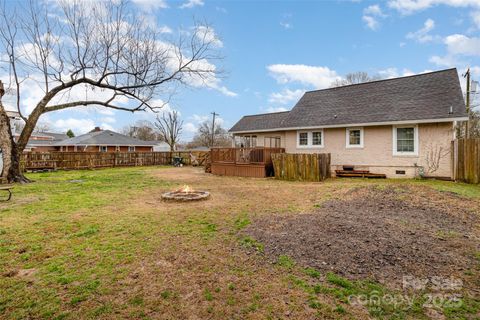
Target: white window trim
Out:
[100,148]
[310,144]
[347,138]
[131,147]
[415,140]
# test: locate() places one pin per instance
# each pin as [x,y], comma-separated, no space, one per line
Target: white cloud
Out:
[317,77]
[395,73]
[208,35]
[165,29]
[189,128]
[446,61]
[286,25]
[371,16]
[108,120]
[207,80]
[225,91]
[476,18]
[149,5]
[79,126]
[374,10]
[388,73]
[275,109]
[371,22]
[423,35]
[459,44]
[200,118]
[286,96]
[192,3]
[412,6]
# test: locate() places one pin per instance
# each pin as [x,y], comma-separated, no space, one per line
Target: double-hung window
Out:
[317,138]
[405,140]
[303,139]
[310,139]
[354,137]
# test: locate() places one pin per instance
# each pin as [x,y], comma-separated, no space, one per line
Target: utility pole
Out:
[467,129]
[213,128]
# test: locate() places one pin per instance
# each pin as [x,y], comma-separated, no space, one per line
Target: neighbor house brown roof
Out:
[432,96]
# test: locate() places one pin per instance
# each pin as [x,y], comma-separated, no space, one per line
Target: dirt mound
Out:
[377,234]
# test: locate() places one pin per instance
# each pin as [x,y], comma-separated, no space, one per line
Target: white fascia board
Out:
[367,124]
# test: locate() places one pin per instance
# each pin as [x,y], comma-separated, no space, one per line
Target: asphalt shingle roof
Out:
[260,121]
[105,138]
[419,97]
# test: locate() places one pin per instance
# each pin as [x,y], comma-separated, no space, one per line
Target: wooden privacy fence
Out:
[91,160]
[466,160]
[304,167]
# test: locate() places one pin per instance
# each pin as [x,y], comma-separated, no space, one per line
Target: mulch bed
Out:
[376,234]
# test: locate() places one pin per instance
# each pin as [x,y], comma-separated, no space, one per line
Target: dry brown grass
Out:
[110,248]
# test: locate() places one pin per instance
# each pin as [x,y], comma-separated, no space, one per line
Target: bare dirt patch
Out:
[378,234]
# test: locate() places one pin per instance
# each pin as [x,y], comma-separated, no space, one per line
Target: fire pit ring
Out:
[185,194]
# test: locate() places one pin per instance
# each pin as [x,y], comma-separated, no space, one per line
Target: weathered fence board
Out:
[91,160]
[304,167]
[466,160]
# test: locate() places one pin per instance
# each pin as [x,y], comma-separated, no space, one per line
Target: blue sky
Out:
[275,50]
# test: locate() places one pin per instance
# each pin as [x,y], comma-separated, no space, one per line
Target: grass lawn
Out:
[102,244]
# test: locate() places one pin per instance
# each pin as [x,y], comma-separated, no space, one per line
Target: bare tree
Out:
[169,127]
[354,78]
[92,53]
[142,130]
[203,138]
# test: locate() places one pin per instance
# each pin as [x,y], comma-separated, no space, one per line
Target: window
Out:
[254,141]
[310,139]
[272,142]
[405,140]
[117,148]
[103,148]
[354,138]
[317,138]
[246,141]
[131,149]
[303,139]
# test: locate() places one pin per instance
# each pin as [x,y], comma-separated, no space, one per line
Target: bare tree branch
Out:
[101,47]
[169,127]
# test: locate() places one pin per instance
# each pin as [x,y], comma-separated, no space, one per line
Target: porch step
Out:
[351,171]
[359,174]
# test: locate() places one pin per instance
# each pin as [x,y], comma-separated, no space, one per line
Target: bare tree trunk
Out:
[10,151]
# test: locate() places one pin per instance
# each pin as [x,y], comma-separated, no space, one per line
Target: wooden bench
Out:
[7,188]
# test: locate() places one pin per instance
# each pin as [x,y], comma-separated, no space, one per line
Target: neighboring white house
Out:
[160,146]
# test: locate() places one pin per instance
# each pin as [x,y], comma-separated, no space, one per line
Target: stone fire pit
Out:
[186,194]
